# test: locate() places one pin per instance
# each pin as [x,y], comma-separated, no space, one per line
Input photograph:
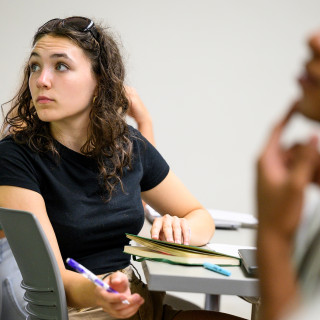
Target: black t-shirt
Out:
[88,229]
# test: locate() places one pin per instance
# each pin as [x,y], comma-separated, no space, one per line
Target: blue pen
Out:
[91,276]
[215,268]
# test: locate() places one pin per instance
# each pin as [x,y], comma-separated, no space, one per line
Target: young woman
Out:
[71,159]
[12,304]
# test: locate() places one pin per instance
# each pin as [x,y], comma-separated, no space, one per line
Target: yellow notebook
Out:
[177,253]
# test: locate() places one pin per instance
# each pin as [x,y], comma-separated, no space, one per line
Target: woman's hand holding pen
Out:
[171,229]
[112,303]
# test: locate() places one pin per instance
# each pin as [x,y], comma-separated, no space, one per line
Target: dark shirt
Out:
[88,229]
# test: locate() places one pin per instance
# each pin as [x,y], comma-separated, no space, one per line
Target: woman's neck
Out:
[73,137]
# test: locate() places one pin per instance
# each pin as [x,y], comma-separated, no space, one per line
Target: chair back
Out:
[42,281]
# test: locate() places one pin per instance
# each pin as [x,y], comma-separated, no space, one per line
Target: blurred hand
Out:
[171,229]
[137,110]
[309,104]
[112,302]
[282,176]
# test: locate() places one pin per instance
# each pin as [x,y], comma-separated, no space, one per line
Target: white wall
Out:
[214,75]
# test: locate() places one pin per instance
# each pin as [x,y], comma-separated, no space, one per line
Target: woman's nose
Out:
[44,79]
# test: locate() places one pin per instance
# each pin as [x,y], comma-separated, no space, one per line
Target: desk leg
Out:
[254,311]
[212,302]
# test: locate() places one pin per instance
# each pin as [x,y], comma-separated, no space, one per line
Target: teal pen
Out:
[215,268]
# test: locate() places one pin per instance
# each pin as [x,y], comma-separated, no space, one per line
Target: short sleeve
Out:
[155,168]
[17,166]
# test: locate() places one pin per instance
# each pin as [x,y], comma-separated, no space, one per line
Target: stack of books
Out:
[178,253]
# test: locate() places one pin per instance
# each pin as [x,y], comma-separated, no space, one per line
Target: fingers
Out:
[132,96]
[162,226]
[176,230]
[118,281]
[156,228]
[314,43]
[137,110]
[304,164]
[171,229]
[279,127]
[112,303]
[129,94]
[167,229]
[115,300]
[185,231]
[129,91]
[109,298]
[272,154]
[135,301]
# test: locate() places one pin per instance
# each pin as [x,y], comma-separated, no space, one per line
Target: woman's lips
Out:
[43,99]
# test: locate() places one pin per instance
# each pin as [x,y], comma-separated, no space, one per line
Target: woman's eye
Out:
[61,67]
[34,67]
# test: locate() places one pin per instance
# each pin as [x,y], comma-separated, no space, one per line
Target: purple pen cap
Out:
[73,264]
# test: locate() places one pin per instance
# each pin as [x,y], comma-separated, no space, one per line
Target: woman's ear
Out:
[96,90]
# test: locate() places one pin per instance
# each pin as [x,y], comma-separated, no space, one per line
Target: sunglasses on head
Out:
[81,24]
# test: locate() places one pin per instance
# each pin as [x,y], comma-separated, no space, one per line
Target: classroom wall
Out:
[215,76]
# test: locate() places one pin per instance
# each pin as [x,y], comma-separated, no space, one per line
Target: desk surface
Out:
[166,277]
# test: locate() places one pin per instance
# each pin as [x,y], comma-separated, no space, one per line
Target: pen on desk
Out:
[215,268]
[91,276]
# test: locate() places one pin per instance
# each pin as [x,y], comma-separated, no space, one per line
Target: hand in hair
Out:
[138,111]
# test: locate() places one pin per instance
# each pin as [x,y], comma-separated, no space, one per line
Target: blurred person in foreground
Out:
[290,284]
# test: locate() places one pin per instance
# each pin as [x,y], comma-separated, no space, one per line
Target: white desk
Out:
[166,277]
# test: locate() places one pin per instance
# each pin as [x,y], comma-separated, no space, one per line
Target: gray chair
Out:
[45,293]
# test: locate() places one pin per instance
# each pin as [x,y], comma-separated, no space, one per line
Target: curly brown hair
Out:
[109,139]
